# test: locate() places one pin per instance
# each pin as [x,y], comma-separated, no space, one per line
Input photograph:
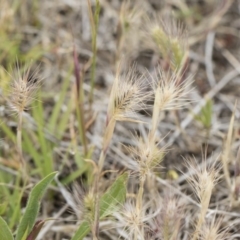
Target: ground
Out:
[66,134]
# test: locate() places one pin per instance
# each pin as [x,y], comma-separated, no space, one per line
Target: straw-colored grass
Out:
[130,93]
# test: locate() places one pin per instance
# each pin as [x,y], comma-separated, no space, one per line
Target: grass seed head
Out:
[129,95]
[131,220]
[130,16]
[170,93]
[22,89]
[169,39]
[85,202]
[148,157]
[167,223]
[213,230]
[204,179]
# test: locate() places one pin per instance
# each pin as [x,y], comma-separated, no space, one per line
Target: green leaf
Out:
[33,206]
[63,121]
[33,152]
[9,133]
[45,145]
[74,174]
[3,207]
[25,234]
[5,233]
[205,115]
[56,112]
[82,231]
[109,202]
[114,196]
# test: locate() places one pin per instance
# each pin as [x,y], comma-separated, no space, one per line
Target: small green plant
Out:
[170,42]
[110,202]
[205,115]
[27,229]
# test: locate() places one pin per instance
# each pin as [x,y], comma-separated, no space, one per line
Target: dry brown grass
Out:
[169,69]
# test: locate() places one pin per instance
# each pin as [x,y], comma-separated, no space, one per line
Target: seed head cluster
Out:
[22,89]
[170,92]
[129,95]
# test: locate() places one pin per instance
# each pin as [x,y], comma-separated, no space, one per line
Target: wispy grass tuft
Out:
[21,93]
[128,95]
[203,182]
[169,40]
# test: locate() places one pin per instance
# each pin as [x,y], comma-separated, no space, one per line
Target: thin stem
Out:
[106,141]
[139,206]
[140,195]
[81,106]
[205,200]
[199,224]
[79,75]
[151,137]
[81,121]
[97,195]
[155,117]
[94,24]
[19,144]
[19,137]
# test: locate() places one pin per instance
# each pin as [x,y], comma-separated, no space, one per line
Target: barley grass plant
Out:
[21,94]
[128,129]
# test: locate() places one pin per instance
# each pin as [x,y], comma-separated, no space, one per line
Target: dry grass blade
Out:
[226,155]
